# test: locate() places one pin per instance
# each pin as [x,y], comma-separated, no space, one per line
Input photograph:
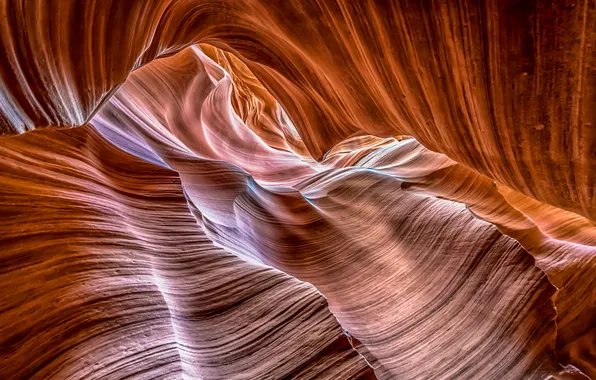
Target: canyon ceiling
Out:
[297,189]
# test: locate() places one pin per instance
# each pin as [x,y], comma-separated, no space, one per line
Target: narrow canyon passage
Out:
[386,190]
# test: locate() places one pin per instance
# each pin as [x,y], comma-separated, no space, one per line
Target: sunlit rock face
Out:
[300,190]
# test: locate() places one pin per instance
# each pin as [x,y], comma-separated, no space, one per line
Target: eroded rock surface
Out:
[267,190]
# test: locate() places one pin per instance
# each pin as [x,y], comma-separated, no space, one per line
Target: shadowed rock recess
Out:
[305,189]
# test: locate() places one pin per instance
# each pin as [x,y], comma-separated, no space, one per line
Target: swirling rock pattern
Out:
[493,85]
[94,285]
[256,206]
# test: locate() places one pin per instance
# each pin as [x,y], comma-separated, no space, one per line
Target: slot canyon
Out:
[298,189]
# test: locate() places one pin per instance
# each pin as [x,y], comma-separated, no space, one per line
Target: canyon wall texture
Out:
[249,189]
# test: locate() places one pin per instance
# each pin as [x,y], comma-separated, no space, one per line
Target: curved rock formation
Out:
[320,189]
[492,85]
[110,276]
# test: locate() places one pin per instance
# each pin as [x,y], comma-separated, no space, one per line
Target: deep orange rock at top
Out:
[504,87]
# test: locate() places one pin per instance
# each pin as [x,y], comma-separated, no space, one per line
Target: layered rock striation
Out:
[311,190]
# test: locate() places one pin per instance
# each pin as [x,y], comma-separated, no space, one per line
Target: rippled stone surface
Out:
[265,190]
